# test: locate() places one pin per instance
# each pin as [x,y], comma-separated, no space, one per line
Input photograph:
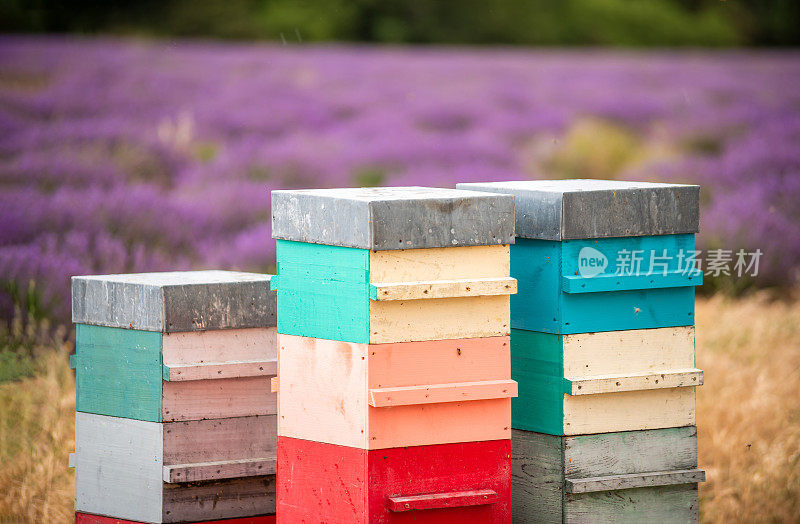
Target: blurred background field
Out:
[142,136]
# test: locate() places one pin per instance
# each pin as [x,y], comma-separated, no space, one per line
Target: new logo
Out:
[591,262]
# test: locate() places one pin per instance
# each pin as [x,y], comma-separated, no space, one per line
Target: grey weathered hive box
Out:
[393,217]
[580,209]
[174,301]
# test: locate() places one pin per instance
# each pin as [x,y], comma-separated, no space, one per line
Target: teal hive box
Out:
[561,292]
[599,255]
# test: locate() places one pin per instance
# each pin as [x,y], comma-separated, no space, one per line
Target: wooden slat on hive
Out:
[219,439]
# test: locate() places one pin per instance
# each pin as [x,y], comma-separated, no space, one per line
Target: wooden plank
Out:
[630,351]
[634,480]
[224,499]
[442,289]
[438,319]
[630,452]
[452,499]
[221,469]
[220,439]
[118,372]
[537,478]
[220,345]
[86,518]
[118,464]
[669,504]
[274,384]
[593,385]
[613,282]
[435,393]
[174,301]
[218,399]
[629,410]
[218,370]
[392,218]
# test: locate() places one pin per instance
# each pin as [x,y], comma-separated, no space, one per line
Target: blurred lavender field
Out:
[122,155]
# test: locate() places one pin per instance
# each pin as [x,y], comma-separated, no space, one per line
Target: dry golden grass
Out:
[748,413]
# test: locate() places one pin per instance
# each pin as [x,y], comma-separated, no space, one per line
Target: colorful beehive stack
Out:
[602,346]
[393,353]
[176,421]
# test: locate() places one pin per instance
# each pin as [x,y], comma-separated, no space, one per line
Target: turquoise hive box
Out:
[597,255]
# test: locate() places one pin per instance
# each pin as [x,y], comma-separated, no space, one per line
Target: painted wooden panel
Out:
[453,499]
[220,469]
[118,372]
[324,292]
[87,518]
[618,369]
[662,462]
[335,484]
[466,287]
[631,351]
[391,218]
[439,319]
[174,301]
[543,267]
[220,345]
[219,439]
[450,263]
[325,391]
[217,399]
[118,467]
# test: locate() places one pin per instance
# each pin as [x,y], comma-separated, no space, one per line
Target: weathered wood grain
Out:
[174,301]
[537,477]
[565,209]
[220,469]
[443,289]
[593,385]
[218,399]
[678,504]
[436,393]
[225,499]
[630,452]
[661,463]
[635,480]
[392,218]
[219,439]
[324,391]
[220,345]
[338,484]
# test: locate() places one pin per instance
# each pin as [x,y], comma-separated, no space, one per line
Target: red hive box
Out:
[467,483]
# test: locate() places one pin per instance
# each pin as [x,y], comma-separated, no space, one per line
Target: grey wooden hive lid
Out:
[573,209]
[174,301]
[393,217]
